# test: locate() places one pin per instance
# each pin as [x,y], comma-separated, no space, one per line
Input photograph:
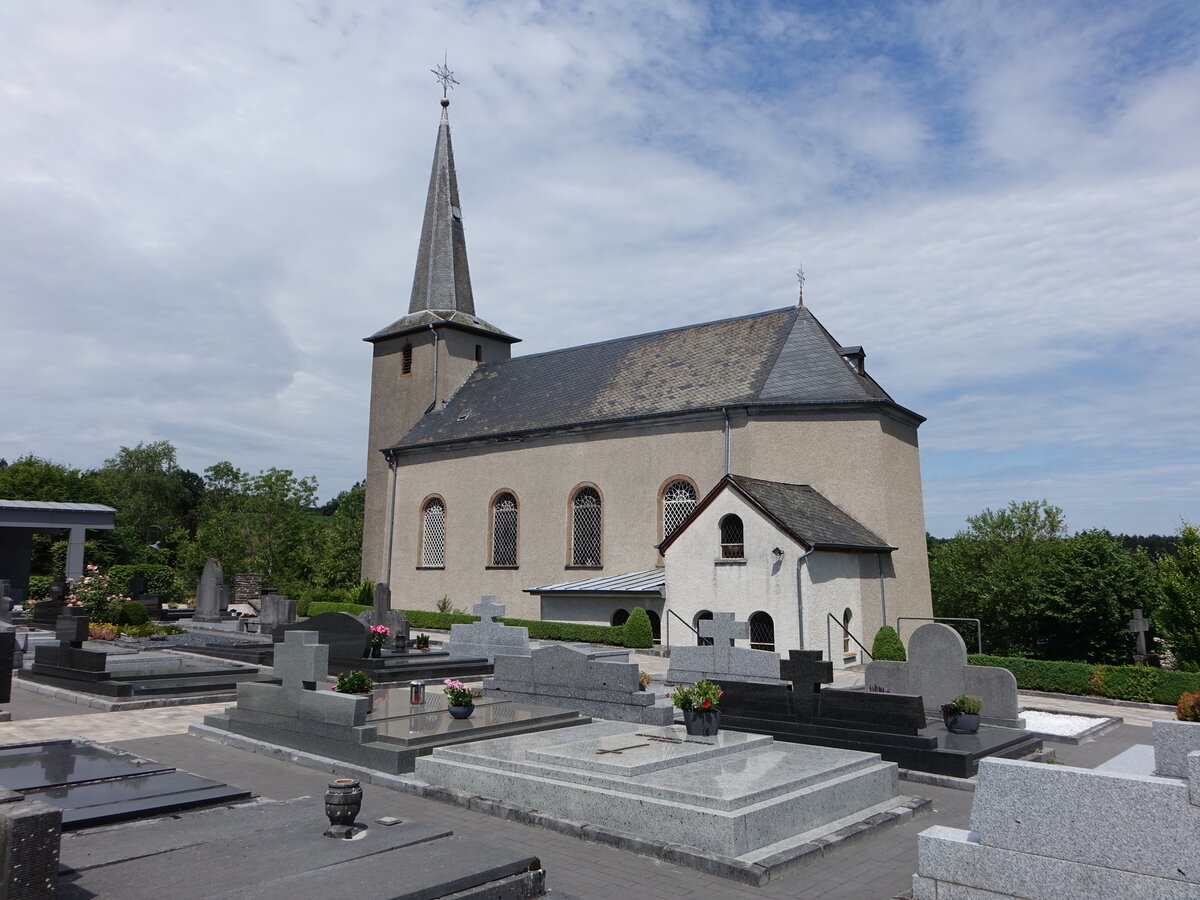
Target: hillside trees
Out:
[1178,615]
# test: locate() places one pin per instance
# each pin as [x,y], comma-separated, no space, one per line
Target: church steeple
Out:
[442,280]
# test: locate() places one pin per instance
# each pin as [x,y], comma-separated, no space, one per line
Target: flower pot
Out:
[704,722]
[461,712]
[961,723]
[376,651]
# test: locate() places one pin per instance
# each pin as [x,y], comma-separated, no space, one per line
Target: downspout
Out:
[882,592]
[725,413]
[391,522]
[800,593]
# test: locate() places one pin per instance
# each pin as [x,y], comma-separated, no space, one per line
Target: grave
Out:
[383,731]
[68,665]
[748,801]
[1077,834]
[276,610]
[47,611]
[892,725]
[487,637]
[211,599]
[137,592]
[95,785]
[566,677]
[937,670]
[382,613]
[6,601]
[722,661]
[277,851]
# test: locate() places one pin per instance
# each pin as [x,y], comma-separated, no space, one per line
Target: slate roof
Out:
[648,582]
[781,356]
[808,516]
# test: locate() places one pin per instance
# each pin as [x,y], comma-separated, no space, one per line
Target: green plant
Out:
[1076,678]
[363,595]
[39,588]
[160,580]
[887,645]
[148,629]
[571,631]
[445,606]
[302,607]
[1188,708]
[103,631]
[100,595]
[422,642]
[425,618]
[134,613]
[963,704]
[702,695]
[458,694]
[638,633]
[316,608]
[353,682]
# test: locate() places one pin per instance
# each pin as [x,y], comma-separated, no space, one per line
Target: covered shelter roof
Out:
[649,582]
[38,514]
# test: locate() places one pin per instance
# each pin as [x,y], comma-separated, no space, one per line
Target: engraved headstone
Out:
[208,594]
[47,611]
[722,660]
[487,637]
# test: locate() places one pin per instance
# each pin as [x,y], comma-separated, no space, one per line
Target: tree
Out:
[1178,615]
[338,557]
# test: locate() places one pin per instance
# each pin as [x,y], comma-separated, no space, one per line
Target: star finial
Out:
[446,78]
[800,278]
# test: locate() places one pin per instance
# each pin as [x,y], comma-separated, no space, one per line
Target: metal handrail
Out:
[829,636]
[704,641]
[978,625]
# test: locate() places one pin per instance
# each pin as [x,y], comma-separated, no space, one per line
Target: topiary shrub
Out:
[134,613]
[160,580]
[638,632]
[887,645]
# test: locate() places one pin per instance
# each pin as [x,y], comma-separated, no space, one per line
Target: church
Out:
[750,464]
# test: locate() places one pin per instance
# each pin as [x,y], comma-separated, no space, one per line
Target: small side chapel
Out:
[579,483]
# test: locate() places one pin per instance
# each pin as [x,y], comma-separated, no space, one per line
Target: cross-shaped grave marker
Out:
[1139,626]
[488,609]
[301,660]
[724,631]
[806,671]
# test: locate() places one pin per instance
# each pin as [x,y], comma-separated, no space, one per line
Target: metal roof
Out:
[648,582]
[55,507]
[779,357]
[45,516]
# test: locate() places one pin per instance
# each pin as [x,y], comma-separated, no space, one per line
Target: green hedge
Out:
[316,608]
[423,618]
[160,580]
[1141,683]
[39,587]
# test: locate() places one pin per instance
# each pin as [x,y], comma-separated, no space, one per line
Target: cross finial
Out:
[800,278]
[446,78]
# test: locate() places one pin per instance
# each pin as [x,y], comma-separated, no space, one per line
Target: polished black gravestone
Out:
[892,725]
[95,785]
[46,612]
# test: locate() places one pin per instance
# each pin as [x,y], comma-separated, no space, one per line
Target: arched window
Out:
[655,625]
[620,617]
[433,533]
[732,545]
[406,360]
[696,620]
[846,617]
[678,501]
[762,632]
[504,530]
[586,527]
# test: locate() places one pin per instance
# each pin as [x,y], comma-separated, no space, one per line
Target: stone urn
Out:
[703,722]
[461,712]
[343,800]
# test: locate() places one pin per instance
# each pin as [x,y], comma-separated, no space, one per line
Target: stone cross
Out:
[301,660]
[1139,626]
[71,630]
[724,631]
[488,609]
[806,671]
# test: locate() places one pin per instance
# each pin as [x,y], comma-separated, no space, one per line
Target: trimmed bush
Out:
[1141,683]
[570,631]
[315,608]
[638,632]
[160,580]
[134,613]
[302,606]
[887,645]
[424,618]
[39,587]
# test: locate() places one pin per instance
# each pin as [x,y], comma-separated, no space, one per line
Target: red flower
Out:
[706,704]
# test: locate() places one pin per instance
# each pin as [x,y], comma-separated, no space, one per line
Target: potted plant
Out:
[643,680]
[699,705]
[460,699]
[379,636]
[961,714]
[355,682]
[422,643]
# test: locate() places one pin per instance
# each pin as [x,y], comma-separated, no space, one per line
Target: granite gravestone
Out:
[348,638]
[564,677]
[47,611]
[382,613]
[209,594]
[722,660]
[6,602]
[69,658]
[1139,626]
[937,670]
[277,610]
[487,637]
[137,591]
[8,649]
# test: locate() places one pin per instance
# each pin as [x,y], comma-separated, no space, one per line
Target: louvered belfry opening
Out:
[762,632]
[433,533]
[504,530]
[679,499]
[732,543]
[585,528]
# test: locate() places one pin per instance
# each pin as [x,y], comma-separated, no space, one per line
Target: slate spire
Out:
[442,280]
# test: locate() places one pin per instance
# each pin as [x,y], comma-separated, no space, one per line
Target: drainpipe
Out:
[800,593]
[725,413]
[882,592]
[391,522]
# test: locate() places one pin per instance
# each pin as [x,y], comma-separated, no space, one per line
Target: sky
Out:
[204,206]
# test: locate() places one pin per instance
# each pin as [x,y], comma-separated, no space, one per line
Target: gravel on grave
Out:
[1061,724]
